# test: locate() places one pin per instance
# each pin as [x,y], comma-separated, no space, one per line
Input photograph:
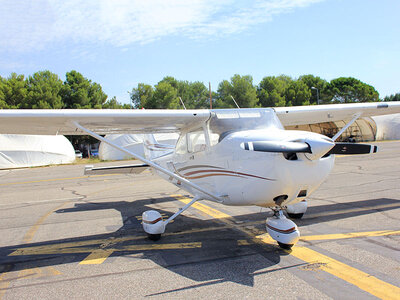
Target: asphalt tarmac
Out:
[66,235]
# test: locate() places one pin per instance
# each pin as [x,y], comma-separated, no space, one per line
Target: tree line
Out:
[272,91]
[45,89]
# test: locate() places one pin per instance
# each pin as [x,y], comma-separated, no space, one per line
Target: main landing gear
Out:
[153,223]
[282,230]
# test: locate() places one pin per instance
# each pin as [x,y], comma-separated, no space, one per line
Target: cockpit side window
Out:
[191,142]
[181,145]
[226,121]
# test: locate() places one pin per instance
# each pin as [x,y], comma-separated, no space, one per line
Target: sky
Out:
[121,43]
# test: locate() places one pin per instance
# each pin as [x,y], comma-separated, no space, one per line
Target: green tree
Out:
[316,82]
[348,90]
[113,104]
[142,96]
[3,85]
[96,96]
[395,97]
[171,80]
[13,91]
[165,96]
[271,91]
[80,92]
[43,91]
[241,88]
[297,93]
[195,95]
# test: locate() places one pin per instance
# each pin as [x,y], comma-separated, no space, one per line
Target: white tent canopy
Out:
[388,127]
[131,142]
[19,151]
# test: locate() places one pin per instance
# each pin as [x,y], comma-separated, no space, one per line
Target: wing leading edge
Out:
[302,115]
[24,121]
[107,121]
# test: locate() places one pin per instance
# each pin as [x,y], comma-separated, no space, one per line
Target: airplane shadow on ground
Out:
[337,211]
[219,257]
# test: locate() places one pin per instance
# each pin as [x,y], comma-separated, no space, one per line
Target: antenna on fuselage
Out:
[235,102]
[183,104]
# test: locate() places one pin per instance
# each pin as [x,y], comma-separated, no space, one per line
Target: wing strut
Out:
[149,162]
[356,116]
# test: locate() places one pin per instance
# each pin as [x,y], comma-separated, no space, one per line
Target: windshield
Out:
[226,121]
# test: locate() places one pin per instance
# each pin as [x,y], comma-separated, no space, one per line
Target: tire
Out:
[154,237]
[295,216]
[285,246]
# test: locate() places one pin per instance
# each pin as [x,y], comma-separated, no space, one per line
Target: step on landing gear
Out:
[282,230]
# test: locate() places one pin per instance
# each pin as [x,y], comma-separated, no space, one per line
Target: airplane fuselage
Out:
[217,162]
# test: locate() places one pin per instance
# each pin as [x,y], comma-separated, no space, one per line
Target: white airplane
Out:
[231,156]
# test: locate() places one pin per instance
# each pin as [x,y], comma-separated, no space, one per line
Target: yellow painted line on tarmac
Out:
[53,248]
[161,246]
[243,243]
[4,284]
[96,257]
[32,230]
[350,235]
[26,239]
[6,278]
[97,253]
[362,280]
[204,208]
[56,179]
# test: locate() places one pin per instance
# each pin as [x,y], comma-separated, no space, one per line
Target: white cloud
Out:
[33,25]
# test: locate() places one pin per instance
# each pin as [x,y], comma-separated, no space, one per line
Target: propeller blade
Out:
[352,148]
[276,146]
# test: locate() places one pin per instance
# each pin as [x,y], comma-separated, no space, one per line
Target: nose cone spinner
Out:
[319,147]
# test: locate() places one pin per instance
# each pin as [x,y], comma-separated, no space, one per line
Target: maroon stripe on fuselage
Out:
[227,172]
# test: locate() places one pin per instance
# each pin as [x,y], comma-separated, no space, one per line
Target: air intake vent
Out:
[302,193]
[290,156]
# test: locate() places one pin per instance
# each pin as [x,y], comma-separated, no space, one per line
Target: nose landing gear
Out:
[282,230]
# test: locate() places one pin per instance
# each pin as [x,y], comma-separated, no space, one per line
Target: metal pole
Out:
[314,88]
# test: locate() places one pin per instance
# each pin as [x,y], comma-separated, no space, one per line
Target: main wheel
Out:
[154,237]
[285,246]
[295,216]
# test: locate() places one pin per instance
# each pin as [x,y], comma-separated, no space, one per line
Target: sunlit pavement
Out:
[68,235]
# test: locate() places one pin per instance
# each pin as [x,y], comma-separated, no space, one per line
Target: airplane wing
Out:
[101,121]
[107,121]
[302,115]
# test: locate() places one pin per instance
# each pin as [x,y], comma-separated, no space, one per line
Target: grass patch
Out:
[92,160]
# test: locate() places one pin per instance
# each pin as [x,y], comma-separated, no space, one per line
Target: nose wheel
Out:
[282,230]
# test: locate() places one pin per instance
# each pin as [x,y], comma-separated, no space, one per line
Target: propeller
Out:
[313,148]
[352,148]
